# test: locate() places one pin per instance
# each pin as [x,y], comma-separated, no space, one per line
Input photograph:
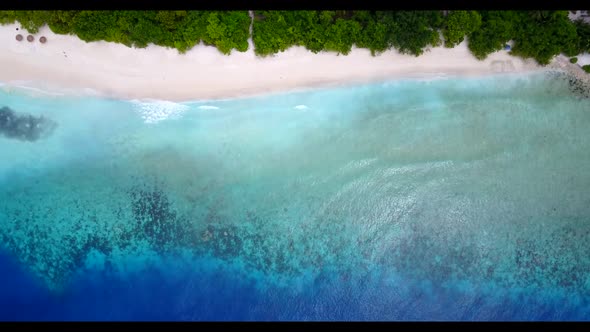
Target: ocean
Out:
[417,199]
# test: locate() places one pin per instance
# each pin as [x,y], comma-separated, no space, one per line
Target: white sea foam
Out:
[153,111]
[208,107]
[301,107]
[39,91]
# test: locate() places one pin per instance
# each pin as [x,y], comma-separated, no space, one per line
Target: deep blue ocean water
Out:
[446,199]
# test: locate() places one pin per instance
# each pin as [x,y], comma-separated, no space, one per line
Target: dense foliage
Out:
[497,28]
[408,31]
[586,68]
[178,29]
[536,34]
[543,35]
[583,31]
[459,24]
[574,60]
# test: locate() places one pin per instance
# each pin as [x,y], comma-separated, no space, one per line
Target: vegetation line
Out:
[540,35]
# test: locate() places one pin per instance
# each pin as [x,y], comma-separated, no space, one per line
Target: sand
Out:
[66,63]
[562,62]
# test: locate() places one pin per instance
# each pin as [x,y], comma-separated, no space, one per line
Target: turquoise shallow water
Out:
[417,199]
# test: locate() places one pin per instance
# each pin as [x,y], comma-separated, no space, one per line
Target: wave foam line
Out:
[208,107]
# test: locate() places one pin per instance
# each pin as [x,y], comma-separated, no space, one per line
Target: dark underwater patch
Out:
[24,127]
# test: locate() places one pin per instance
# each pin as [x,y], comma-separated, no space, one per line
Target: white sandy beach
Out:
[66,62]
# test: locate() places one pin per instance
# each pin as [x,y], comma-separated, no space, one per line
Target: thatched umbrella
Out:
[42,39]
[30,38]
[19,37]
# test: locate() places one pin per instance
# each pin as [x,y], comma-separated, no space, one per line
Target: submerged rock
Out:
[24,127]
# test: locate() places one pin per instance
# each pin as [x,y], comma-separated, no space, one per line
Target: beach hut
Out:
[30,38]
[42,39]
[19,37]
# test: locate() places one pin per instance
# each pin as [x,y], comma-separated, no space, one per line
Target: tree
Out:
[62,21]
[459,24]
[7,16]
[583,32]
[32,20]
[536,34]
[496,30]
[412,31]
[544,40]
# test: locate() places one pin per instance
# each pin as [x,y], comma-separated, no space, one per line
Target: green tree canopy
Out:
[536,34]
[179,29]
[460,23]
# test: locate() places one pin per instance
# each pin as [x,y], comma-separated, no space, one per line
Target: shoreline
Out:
[66,65]
[53,90]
